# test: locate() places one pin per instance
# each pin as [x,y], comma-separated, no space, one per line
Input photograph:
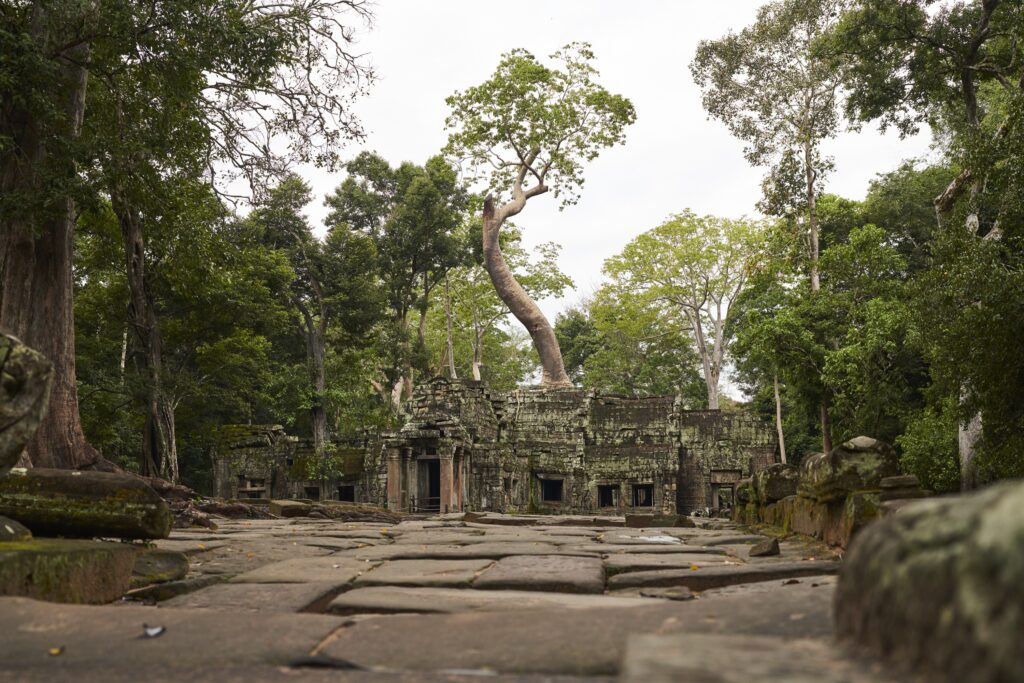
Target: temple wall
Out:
[535,450]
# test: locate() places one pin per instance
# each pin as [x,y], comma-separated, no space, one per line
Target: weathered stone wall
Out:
[554,450]
[830,496]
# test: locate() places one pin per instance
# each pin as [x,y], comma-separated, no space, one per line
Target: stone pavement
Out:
[447,599]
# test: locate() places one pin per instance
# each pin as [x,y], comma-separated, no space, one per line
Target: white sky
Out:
[673,158]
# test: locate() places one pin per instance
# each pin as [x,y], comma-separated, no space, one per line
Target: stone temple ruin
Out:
[465,447]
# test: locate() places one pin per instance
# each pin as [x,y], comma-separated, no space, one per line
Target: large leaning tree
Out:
[527,130]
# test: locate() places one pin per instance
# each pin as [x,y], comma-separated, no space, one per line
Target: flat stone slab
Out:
[609,549]
[430,573]
[245,556]
[633,562]
[100,639]
[714,577]
[645,537]
[395,599]
[565,574]
[260,597]
[329,569]
[66,570]
[494,551]
[740,659]
[570,642]
[190,547]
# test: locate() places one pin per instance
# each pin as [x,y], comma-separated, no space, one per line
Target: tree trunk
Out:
[317,413]
[812,225]
[826,428]
[478,354]
[967,441]
[448,326]
[778,418]
[520,304]
[812,215]
[157,442]
[37,305]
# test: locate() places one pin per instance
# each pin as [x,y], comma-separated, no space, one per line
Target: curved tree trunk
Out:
[519,302]
[37,251]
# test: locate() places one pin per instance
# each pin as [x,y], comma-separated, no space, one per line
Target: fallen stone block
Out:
[63,570]
[639,521]
[154,565]
[290,508]
[856,465]
[77,504]
[12,530]
[25,379]
[936,587]
[766,548]
[775,482]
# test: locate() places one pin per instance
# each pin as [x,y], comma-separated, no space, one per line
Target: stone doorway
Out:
[428,485]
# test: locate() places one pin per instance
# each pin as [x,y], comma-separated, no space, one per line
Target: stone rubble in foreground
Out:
[446,599]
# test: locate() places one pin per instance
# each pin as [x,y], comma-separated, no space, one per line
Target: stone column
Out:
[447,481]
[394,458]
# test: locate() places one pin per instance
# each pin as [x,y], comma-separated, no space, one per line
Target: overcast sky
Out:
[674,158]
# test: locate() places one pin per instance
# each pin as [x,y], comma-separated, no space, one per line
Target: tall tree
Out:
[44,49]
[411,213]
[528,129]
[333,285]
[475,304]
[244,79]
[779,94]
[693,267]
[959,68]
[622,343]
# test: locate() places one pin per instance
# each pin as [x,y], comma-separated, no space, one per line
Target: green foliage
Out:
[689,270]
[929,447]
[621,344]
[552,120]
[772,90]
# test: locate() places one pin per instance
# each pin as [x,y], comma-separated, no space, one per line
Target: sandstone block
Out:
[775,482]
[84,504]
[155,565]
[856,465]
[936,587]
[60,570]
[10,530]
[290,508]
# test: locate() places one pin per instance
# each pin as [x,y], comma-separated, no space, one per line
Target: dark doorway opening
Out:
[347,493]
[607,495]
[429,485]
[643,495]
[312,492]
[551,490]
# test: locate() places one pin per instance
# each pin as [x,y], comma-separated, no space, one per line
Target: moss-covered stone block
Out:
[856,465]
[84,504]
[66,570]
[156,565]
[12,530]
[775,482]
